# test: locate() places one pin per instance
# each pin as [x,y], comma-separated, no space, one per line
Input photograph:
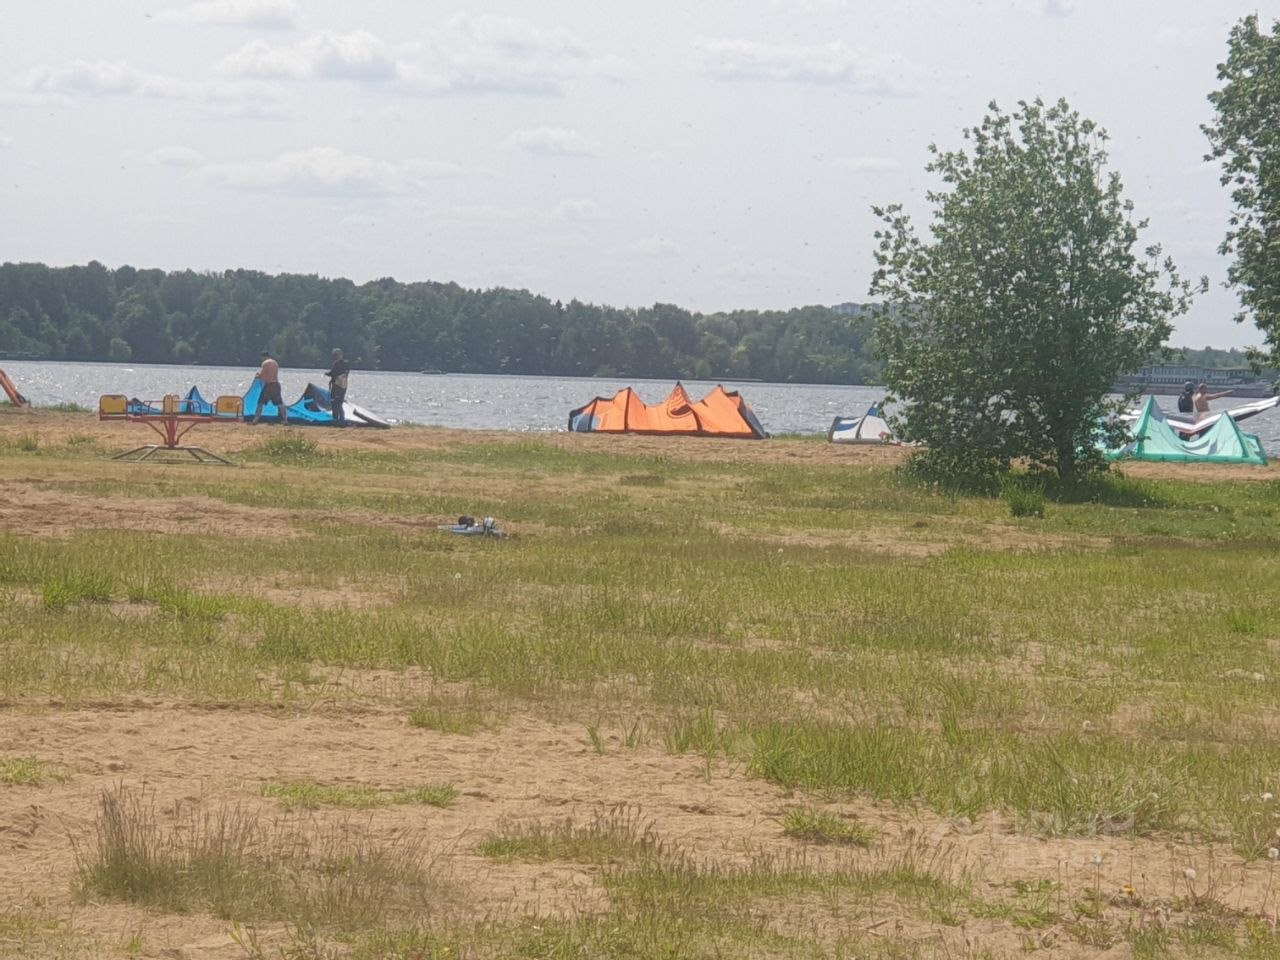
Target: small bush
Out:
[288,448]
[1024,497]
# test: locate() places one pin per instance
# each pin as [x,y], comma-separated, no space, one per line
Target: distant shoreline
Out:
[1250,390]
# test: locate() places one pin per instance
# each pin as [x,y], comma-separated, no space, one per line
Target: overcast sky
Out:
[715,154]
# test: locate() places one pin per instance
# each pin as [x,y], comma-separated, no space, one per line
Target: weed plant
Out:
[233,865]
[820,826]
[289,447]
[1024,496]
[618,835]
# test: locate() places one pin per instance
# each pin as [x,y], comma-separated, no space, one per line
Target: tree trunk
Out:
[1066,462]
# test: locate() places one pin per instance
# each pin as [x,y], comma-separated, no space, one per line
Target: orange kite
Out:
[721,413]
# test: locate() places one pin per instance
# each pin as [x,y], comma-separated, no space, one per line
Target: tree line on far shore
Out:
[93,312]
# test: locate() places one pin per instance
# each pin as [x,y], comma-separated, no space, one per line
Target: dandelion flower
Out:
[1097,859]
[1268,797]
[1189,873]
[1272,853]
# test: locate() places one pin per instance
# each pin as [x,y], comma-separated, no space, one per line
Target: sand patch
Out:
[529,771]
[32,507]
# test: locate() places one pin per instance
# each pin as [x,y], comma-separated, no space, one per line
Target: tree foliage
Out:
[1246,140]
[1005,330]
[94,313]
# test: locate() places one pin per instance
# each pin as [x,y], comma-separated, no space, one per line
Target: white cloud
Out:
[869,164]
[1057,8]
[555,141]
[6,143]
[808,6]
[739,270]
[828,63]
[577,210]
[325,56]
[1174,35]
[104,78]
[325,171]
[117,78]
[176,157]
[469,54]
[657,246]
[485,54]
[269,14]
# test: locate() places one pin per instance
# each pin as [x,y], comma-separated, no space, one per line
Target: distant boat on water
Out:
[1167,379]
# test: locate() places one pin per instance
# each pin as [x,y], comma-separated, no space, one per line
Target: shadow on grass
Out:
[1111,489]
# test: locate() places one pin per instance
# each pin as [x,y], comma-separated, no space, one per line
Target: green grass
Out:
[27,771]
[237,867]
[33,933]
[620,835]
[462,715]
[837,631]
[820,826]
[309,795]
[290,447]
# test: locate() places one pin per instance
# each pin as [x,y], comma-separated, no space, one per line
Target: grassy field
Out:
[706,699]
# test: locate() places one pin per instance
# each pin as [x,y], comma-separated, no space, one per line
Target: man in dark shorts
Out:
[337,375]
[269,375]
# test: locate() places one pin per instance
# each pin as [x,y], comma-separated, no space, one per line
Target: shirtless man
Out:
[1203,396]
[269,374]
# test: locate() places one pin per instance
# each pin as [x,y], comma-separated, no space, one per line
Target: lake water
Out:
[472,401]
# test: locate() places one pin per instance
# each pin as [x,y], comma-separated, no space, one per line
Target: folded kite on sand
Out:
[471,527]
[721,413]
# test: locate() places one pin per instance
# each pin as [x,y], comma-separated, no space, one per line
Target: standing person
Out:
[1186,399]
[1203,396]
[337,375]
[269,375]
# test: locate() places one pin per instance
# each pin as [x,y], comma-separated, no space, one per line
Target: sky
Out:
[718,155]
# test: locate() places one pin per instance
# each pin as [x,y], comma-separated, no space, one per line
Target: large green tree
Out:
[1003,333]
[1246,139]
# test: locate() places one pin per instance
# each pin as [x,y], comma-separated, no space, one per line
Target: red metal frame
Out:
[171,427]
[167,424]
